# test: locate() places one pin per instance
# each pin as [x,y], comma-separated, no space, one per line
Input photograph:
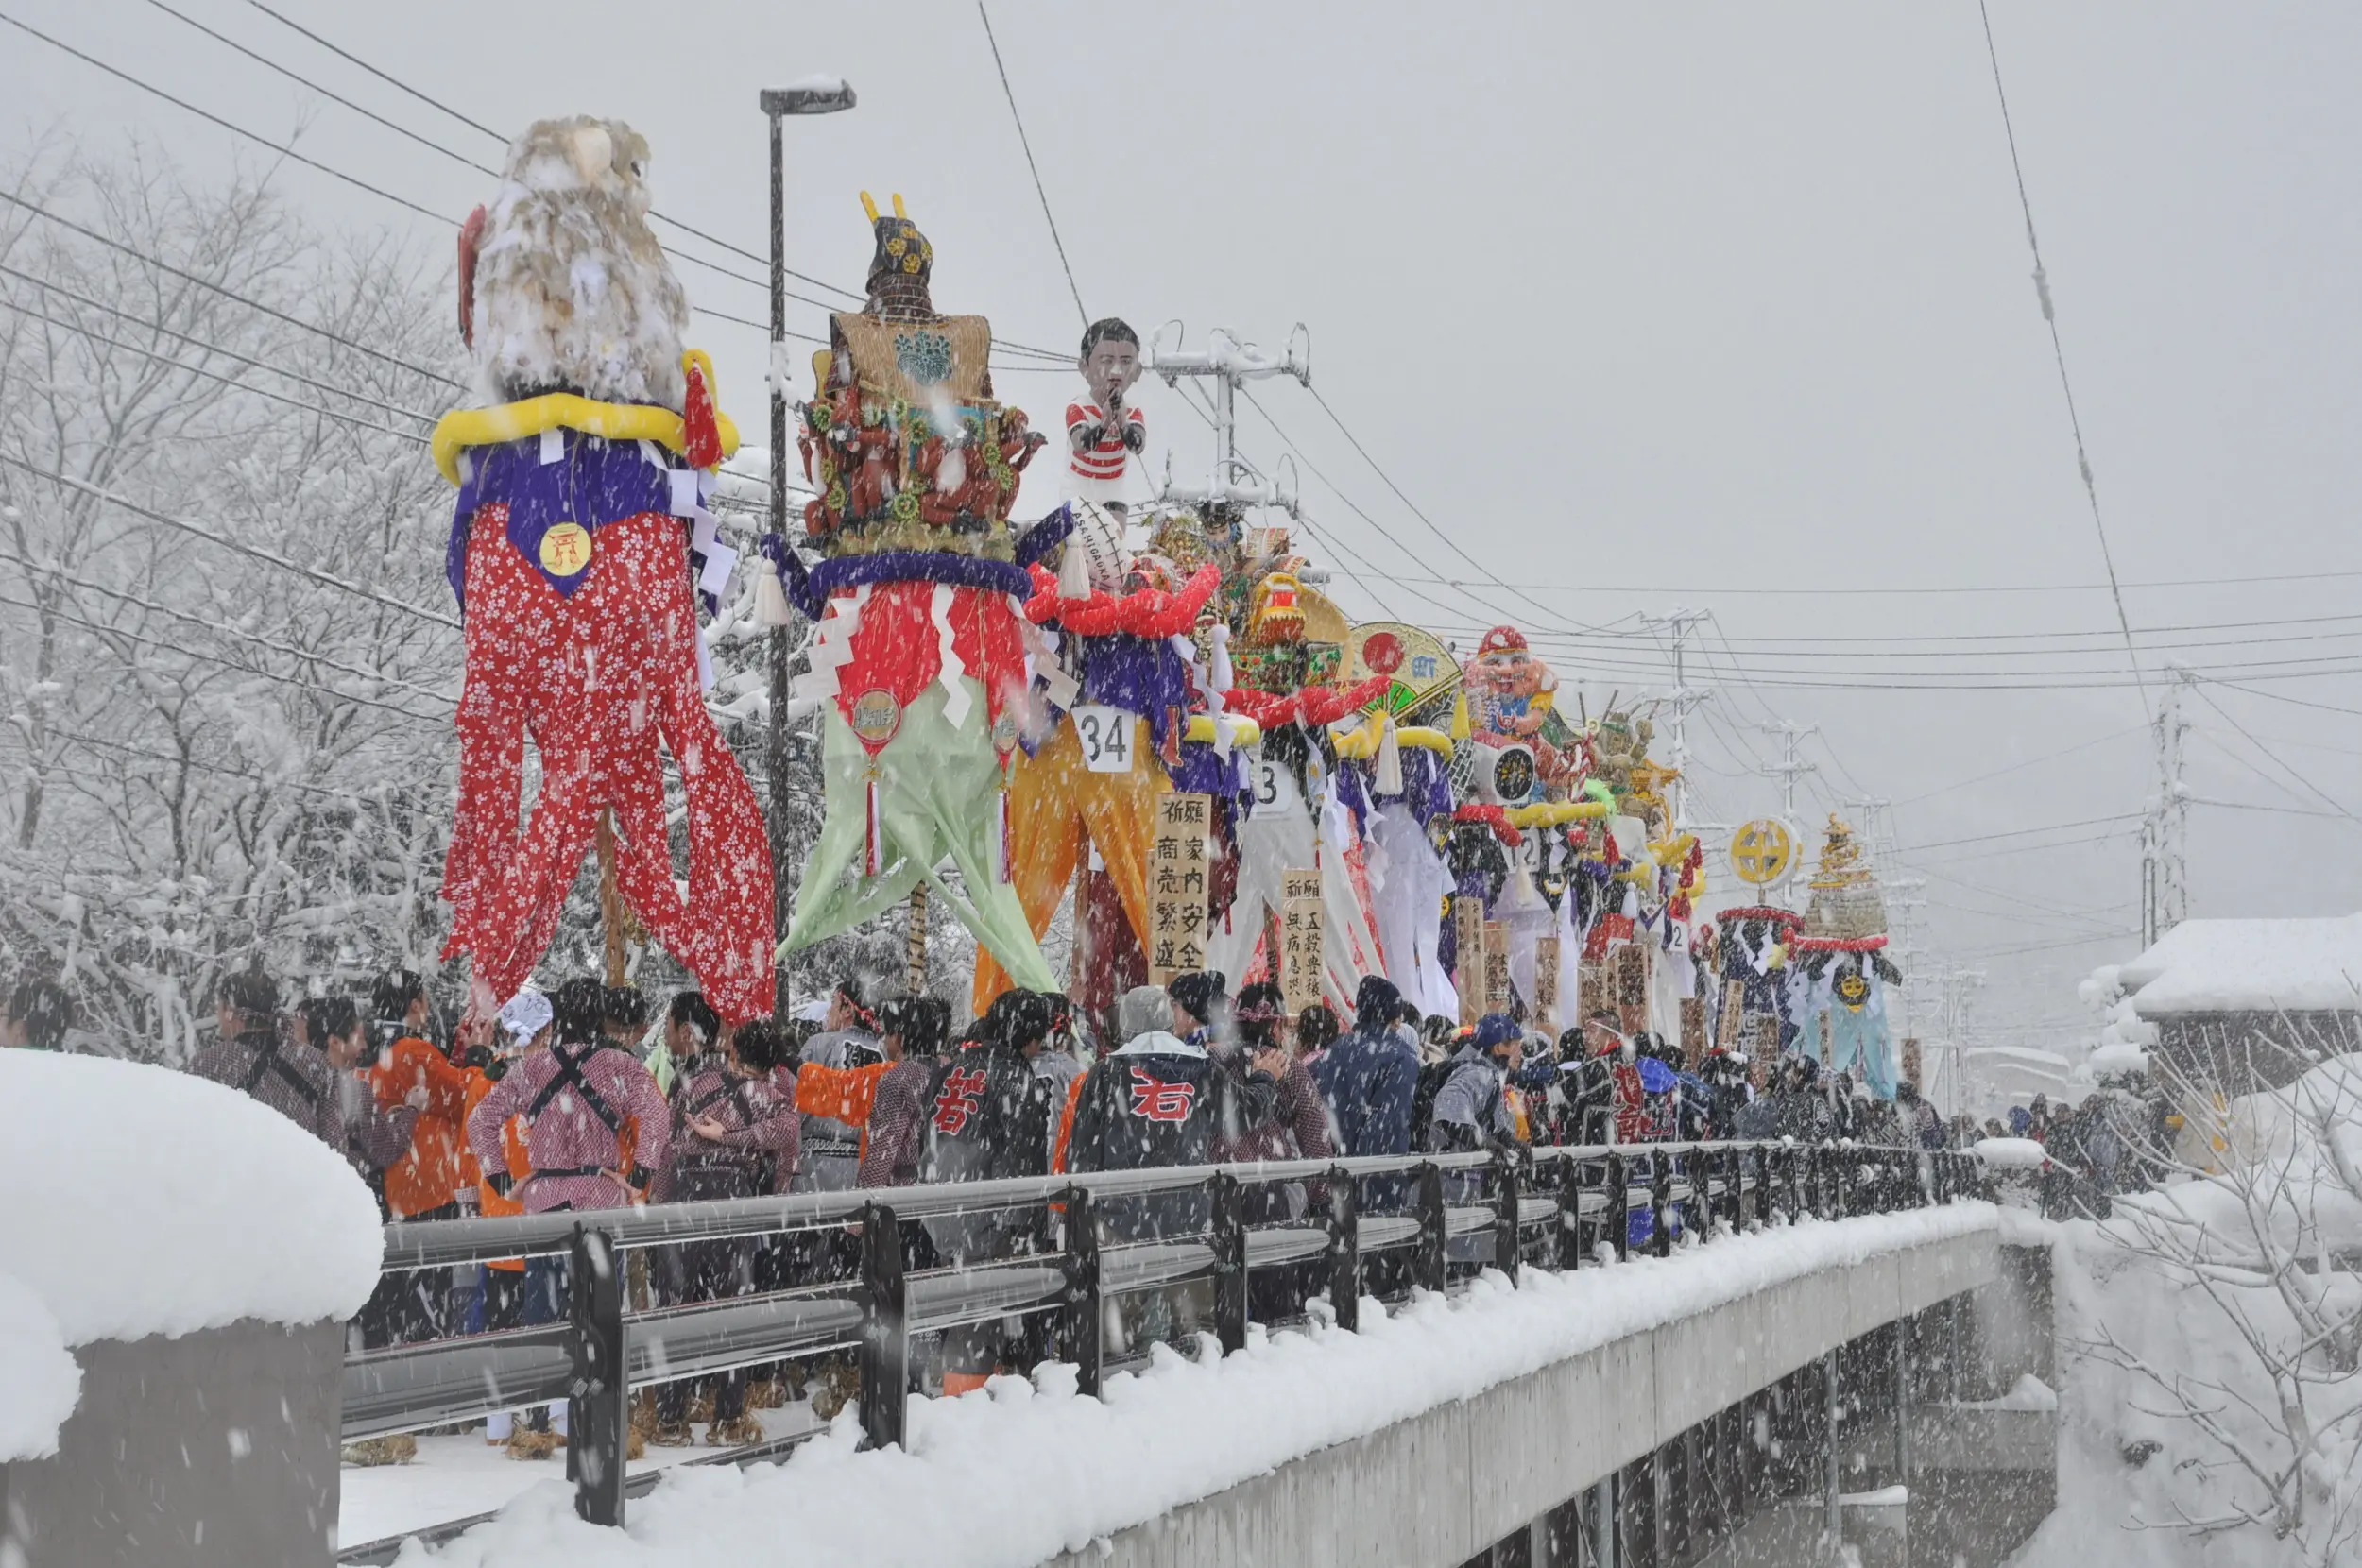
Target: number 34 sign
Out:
[1106,735]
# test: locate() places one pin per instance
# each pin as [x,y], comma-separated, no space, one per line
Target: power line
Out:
[1819,591]
[102,629]
[232,294]
[292,650]
[122,315]
[310,85]
[1387,481]
[2058,350]
[2031,762]
[2293,702]
[1023,140]
[267,556]
[2318,793]
[207,115]
[152,354]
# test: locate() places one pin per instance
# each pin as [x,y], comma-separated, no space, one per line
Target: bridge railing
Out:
[1553,1207]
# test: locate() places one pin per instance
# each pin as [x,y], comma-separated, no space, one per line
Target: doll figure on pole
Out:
[1103,432]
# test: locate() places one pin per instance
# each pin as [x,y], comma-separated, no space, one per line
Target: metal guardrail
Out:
[1555,1203]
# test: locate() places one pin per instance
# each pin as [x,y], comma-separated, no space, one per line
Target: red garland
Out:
[1494,817]
[1313,706]
[1836,944]
[1151,612]
[1787,917]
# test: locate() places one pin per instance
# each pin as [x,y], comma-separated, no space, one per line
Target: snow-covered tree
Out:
[2219,1320]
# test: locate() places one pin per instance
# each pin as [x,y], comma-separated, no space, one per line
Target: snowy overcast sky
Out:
[1714,306]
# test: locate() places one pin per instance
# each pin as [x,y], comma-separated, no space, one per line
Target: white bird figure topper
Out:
[562,284]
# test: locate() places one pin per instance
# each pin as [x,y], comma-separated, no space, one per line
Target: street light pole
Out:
[811,96]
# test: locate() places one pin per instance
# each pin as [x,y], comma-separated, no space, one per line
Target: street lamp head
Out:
[812,95]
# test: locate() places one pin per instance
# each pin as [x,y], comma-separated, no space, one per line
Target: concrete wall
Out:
[1434,1491]
[214,1450]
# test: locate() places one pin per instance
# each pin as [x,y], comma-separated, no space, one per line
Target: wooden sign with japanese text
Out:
[1496,969]
[1179,867]
[1546,987]
[1468,972]
[1302,929]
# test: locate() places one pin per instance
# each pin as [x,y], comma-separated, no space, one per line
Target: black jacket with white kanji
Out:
[988,1117]
[1162,1102]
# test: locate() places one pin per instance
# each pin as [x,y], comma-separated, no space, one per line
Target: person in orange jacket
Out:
[427,1182]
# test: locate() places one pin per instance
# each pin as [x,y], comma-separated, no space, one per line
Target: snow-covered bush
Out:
[2211,1338]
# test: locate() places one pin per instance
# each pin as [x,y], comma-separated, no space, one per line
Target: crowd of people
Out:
[583,1099]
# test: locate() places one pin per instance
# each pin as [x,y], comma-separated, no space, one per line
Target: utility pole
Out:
[1680,624]
[1790,766]
[2164,874]
[1227,363]
[817,96]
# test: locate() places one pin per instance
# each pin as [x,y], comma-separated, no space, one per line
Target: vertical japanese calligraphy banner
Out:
[1495,970]
[1546,987]
[1179,868]
[1468,930]
[1302,928]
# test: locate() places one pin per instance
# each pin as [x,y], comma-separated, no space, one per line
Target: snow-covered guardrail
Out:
[1557,1208]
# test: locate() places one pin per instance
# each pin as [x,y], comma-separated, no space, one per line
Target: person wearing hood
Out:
[1472,1108]
[1163,1100]
[732,1136]
[1369,1077]
[1800,1110]
[990,1121]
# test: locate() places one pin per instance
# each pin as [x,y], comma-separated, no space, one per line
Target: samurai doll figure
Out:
[922,659]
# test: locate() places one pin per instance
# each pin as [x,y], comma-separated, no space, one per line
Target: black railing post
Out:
[1078,1326]
[1229,1262]
[1426,1255]
[1569,1249]
[1619,1207]
[884,1330]
[1344,1251]
[1505,1185]
[1735,1177]
[597,1418]
[1660,1202]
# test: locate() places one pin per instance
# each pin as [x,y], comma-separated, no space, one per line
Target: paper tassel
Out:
[1220,677]
[1389,780]
[771,607]
[873,852]
[1003,867]
[1074,572]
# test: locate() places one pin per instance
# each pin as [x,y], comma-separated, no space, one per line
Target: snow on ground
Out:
[39,1380]
[144,1201]
[1021,1471]
[455,1476]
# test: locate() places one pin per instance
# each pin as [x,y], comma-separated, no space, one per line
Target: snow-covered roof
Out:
[142,1201]
[2306,966]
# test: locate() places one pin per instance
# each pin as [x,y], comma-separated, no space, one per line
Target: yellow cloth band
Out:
[462,428]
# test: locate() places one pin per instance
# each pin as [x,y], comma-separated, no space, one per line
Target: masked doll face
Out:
[1513,671]
[1853,990]
[1111,368]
